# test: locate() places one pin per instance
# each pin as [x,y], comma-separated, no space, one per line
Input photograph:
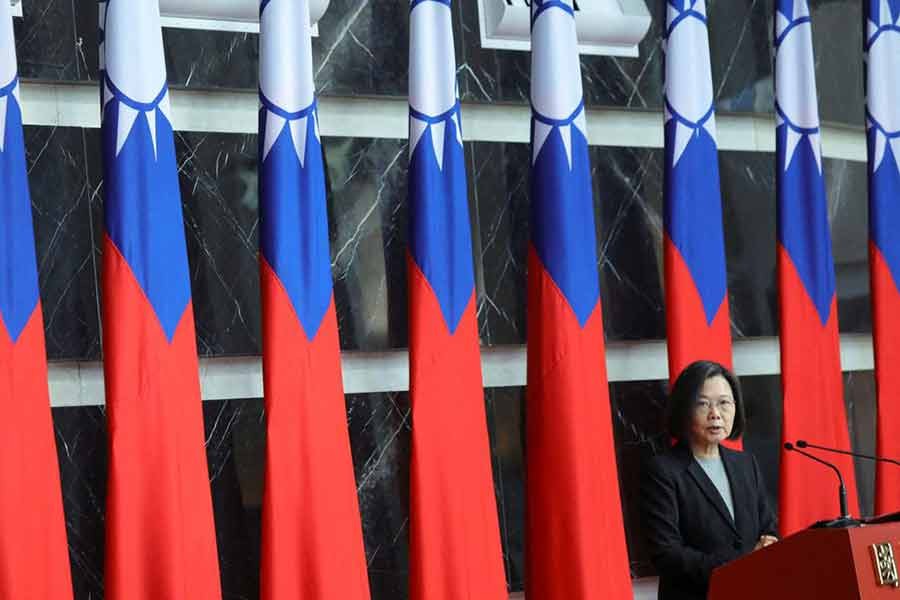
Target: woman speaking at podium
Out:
[703,504]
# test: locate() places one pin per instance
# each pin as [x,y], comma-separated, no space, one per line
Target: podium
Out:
[820,564]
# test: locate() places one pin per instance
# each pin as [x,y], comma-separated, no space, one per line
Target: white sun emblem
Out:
[131,54]
[883,112]
[286,74]
[9,81]
[556,94]
[689,93]
[432,76]
[795,81]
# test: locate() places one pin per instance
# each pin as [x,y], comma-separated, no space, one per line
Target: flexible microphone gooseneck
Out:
[845,519]
[805,444]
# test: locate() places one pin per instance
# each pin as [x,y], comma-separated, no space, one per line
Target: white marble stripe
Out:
[226,111]
[81,383]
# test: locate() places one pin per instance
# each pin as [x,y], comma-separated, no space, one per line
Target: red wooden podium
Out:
[820,564]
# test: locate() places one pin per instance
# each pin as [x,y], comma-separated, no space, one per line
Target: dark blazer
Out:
[687,525]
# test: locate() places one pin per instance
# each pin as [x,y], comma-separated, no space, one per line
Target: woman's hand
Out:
[765,540]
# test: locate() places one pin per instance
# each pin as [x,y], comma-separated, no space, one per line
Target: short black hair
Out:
[685,391]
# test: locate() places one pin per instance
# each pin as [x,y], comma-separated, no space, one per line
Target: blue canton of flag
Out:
[693,206]
[803,213]
[143,201]
[440,240]
[293,208]
[18,266]
[883,126]
[562,203]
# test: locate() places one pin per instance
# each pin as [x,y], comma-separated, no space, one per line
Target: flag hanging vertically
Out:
[454,535]
[883,135]
[574,530]
[34,556]
[160,536]
[312,544]
[697,323]
[810,353]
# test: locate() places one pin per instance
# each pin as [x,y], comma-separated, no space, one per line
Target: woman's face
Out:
[713,413]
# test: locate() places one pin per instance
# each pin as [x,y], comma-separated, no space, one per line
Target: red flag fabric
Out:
[810,351]
[312,544]
[34,556]
[574,531]
[883,117]
[160,535]
[454,539]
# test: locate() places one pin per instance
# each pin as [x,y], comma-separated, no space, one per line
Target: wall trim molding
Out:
[74,104]
[75,383]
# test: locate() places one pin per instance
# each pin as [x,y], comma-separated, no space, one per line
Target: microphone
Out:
[845,519]
[805,444]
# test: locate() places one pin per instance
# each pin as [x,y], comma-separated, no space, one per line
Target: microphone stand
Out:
[845,520]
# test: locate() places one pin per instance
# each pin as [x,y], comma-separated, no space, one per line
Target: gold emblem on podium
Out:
[885,565]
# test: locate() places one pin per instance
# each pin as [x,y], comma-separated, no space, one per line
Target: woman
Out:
[703,504]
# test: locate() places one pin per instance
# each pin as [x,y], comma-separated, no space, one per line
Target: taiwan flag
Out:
[34,556]
[810,352]
[312,544]
[882,47]
[697,324]
[454,535]
[574,530]
[160,536]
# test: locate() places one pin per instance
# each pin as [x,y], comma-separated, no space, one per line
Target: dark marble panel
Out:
[362,49]
[368,221]
[64,183]
[219,193]
[862,414]
[47,46]
[380,428]
[838,47]
[506,425]
[81,447]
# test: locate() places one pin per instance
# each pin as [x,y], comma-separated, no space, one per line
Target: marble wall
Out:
[361,51]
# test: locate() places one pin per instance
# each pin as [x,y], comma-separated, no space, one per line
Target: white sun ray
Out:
[541,131]
[815,141]
[781,23]
[791,141]
[565,132]
[274,125]
[580,123]
[871,28]
[683,135]
[416,129]
[165,106]
[895,149]
[151,124]
[458,128]
[107,95]
[671,13]
[437,141]
[127,116]
[880,145]
[800,9]
[885,13]
[298,136]
[315,118]
[700,7]
[3,102]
